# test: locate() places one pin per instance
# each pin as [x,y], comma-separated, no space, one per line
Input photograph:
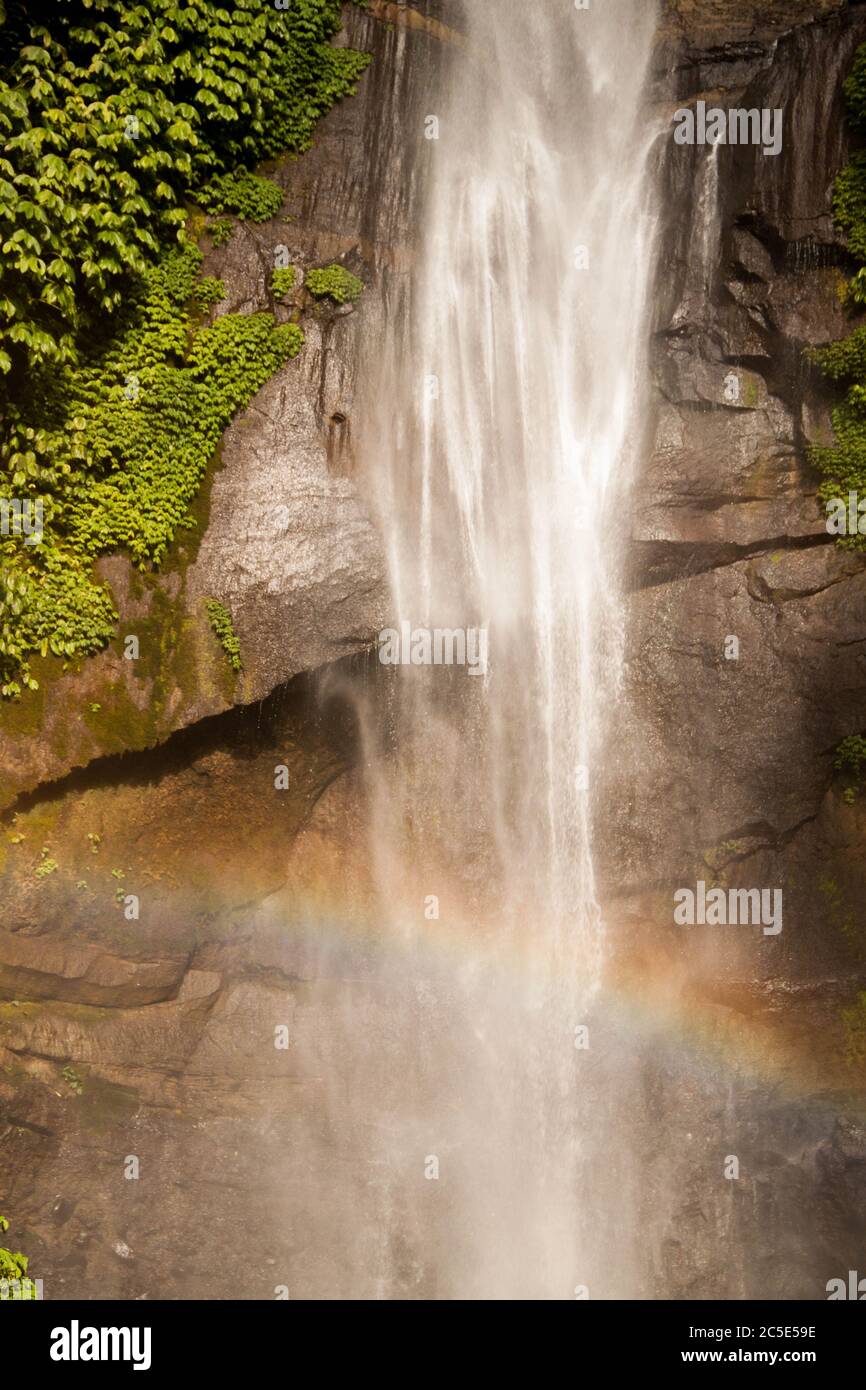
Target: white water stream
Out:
[506,413]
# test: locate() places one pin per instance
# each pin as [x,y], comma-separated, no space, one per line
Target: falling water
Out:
[707,214]
[505,418]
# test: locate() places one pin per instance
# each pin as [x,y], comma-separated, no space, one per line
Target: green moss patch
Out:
[222,626]
[283,281]
[336,283]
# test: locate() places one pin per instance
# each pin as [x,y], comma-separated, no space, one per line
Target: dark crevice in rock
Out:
[804,253]
[17,1122]
[652,563]
[686,501]
[767,836]
[244,729]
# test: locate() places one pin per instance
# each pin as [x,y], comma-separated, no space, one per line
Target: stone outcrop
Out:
[728,537]
[724,767]
[282,536]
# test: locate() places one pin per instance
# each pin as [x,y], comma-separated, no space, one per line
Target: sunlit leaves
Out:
[127,462]
[334,282]
[110,126]
[247,196]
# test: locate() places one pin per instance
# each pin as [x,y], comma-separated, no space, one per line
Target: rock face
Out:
[725,762]
[282,536]
[230,811]
[695,33]
[729,540]
[140,1077]
[154,933]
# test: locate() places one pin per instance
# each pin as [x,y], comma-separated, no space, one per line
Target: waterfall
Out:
[707,215]
[503,421]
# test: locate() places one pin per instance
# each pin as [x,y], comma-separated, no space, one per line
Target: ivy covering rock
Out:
[115,118]
[843,463]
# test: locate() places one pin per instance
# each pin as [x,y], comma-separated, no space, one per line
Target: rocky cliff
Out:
[153,780]
[726,751]
[152,1037]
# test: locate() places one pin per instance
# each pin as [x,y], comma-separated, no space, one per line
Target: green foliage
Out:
[48,602]
[207,292]
[334,282]
[283,281]
[843,463]
[46,864]
[850,757]
[114,117]
[250,198]
[849,203]
[221,231]
[13,1267]
[130,433]
[851,754]
[221,621]
[855,91]
[72,1079]
[150,412]
[845,360]
[111,114]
